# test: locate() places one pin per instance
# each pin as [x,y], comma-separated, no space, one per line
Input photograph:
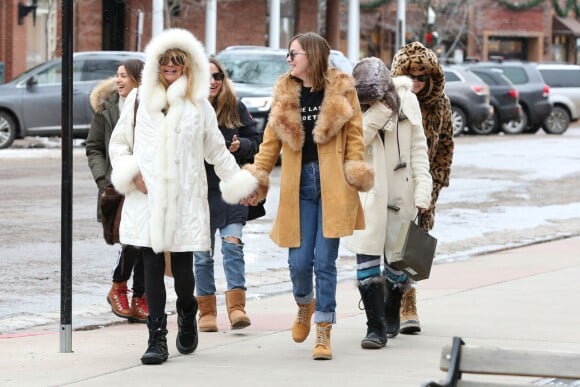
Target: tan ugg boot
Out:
[207,313]
[301,327]
[409,318]
[322,349]
[236,302]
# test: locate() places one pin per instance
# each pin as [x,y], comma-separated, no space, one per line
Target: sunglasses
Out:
[292,54]
[218,76]
[420,78]
[177,60]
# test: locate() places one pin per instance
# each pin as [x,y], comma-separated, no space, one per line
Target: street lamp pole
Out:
[400,34]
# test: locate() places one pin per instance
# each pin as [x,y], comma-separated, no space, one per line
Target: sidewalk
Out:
[520,298]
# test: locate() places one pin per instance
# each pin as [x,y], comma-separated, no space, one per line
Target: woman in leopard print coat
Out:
[421,64]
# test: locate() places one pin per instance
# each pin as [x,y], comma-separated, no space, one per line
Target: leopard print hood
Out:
[416,57]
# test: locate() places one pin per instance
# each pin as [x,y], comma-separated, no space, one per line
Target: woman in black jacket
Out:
[242,139]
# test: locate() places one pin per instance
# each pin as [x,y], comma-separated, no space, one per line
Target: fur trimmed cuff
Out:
[122,176]
[263,180]
[239,187]
[359,174]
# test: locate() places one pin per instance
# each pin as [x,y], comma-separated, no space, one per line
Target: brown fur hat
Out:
[373,83]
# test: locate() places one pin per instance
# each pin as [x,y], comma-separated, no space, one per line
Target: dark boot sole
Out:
[410,327]
[367,344]
[154,359]
[117,314]
[241,324]
[136,320]
[410,330]
[322,357]
[186,350]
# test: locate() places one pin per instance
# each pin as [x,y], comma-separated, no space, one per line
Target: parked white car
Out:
[564,82]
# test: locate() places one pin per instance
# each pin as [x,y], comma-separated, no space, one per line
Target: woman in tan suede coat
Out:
[316,122]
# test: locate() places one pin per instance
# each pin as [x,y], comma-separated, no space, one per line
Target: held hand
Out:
[235,145]
[140,183]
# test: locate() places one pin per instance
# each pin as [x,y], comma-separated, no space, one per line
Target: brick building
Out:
[113,24]
[475,28]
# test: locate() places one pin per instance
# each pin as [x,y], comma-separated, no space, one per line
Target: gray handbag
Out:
[414,251]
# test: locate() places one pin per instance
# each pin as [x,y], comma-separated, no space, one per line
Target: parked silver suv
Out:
[30,104]
[564,82]
[254,70]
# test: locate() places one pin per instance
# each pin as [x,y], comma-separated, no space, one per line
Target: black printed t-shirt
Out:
[309,109]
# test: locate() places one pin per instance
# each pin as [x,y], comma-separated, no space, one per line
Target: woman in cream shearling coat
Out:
[396,148]
[158,163]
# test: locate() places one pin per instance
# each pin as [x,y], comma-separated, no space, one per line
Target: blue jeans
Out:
[233,262]
[316,253]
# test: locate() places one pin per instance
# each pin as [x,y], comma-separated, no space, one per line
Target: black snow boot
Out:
[187,337]
[393,296]
[373,296]
[157,351]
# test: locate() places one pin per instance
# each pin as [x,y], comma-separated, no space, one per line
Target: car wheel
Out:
[486,127]
[515,126]
[557,122]
[458,120]
[7,130]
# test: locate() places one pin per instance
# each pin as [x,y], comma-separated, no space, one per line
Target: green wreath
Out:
[517,6]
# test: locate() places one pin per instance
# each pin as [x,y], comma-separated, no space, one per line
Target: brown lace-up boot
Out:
[301,327]
[117,298]
[322,349]
[409,318]
[207,313]
[139,309]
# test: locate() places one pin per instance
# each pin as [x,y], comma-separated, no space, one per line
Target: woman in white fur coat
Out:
[396,148]
[158,163]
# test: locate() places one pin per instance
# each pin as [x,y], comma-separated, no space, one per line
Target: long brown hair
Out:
[317,51]
[134,68]
[225,102]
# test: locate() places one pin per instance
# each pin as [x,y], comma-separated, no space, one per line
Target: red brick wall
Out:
[88,31]
[12,39]
[306,16]
[238,22]
[489,15]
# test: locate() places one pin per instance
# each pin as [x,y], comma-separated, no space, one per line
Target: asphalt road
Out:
[30,241]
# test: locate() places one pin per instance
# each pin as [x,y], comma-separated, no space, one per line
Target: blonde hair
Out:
[187,70]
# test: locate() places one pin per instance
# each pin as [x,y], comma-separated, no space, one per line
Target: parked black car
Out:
[254,70]
[30,104]
[503,97]
[534,94]
[469,97]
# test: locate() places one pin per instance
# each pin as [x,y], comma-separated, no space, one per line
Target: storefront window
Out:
[508,48]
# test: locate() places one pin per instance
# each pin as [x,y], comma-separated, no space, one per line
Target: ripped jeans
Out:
[233,262]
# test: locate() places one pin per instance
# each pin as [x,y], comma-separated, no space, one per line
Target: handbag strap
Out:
[135,107]
[418,217]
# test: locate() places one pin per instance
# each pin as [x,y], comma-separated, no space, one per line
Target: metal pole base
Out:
[66,338]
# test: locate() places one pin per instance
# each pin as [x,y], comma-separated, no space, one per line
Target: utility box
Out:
[1,73]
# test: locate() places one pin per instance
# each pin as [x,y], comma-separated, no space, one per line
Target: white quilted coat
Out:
[169,151]
[407,188]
